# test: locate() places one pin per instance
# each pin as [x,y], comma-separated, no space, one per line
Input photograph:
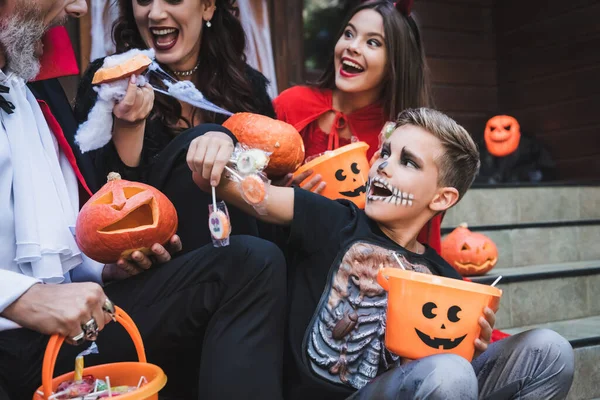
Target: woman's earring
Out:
[208,24]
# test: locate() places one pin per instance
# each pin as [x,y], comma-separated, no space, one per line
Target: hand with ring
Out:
[77,311]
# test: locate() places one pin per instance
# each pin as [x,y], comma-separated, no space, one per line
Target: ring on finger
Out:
[90,330]
[109,308]
[79,339]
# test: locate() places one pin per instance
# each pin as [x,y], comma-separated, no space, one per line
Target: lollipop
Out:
[218,222]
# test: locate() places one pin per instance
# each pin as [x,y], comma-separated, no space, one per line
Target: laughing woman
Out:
[197,40]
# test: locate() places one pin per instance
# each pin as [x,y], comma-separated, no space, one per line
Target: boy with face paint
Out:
[336,309]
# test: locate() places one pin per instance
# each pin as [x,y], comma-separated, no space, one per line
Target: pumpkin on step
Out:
[502,135]
[470,253]
[279,138]
[122,217]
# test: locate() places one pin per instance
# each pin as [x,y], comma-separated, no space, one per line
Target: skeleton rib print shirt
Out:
[336,255]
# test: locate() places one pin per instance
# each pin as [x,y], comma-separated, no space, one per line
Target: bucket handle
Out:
[383,280]
[56,341]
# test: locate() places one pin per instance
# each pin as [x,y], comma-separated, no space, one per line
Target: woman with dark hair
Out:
[197,40]
[377,69]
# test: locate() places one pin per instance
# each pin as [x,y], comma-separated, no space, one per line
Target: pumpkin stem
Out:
[464,225]
[114,176]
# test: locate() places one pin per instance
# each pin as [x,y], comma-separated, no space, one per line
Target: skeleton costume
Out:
[337,321]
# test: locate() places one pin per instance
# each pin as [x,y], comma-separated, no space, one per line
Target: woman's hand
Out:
[316,182]
[207,157]
[59,309]
[139,262]
[487,323]
[136,105]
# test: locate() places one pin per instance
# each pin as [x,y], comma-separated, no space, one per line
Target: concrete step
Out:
[546,293]
[545,243]
[584,335]
[519,205]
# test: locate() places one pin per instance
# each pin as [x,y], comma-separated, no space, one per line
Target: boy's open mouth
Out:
[164,38]
[380,190]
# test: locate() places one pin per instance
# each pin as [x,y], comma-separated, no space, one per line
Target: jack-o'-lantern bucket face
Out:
[429,314]
[344,170]
[502,135]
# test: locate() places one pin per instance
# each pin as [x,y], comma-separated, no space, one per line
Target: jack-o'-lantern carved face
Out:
[449,326]
[470,253]
[353,185]
[123,217]
[502,135]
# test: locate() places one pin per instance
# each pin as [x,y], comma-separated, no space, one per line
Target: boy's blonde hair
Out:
[460,163]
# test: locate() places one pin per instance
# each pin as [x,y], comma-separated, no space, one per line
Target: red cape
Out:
[302,105]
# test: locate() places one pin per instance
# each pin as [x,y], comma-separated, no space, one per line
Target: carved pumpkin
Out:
[345,171]
[122,217]
[279,138]
[470,253]
[502,135]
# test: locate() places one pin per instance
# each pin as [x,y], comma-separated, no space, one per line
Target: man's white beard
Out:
[19,37]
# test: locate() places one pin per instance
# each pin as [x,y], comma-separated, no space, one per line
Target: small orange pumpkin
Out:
[122,217]
[470,253]
[279,138]
[502,135]
[135,65]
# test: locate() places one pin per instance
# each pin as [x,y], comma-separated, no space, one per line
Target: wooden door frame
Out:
[288,42]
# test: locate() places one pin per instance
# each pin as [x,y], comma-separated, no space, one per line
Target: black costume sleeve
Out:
[318,221]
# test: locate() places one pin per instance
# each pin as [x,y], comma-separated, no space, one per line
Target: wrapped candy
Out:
[248,165]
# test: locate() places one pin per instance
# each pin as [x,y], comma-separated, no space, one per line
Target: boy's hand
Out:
[207,157]
[487,325]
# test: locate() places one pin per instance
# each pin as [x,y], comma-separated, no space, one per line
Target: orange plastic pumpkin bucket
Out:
[345,170]
[429,314]
[123,373]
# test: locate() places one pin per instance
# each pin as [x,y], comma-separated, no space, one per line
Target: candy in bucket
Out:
[87,387]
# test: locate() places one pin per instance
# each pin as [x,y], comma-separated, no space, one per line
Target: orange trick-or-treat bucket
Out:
[429,314]
[120,374]
[344,170]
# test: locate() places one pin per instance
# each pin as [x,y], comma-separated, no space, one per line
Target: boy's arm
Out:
[278,205]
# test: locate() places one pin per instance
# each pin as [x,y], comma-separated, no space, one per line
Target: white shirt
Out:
[58,258]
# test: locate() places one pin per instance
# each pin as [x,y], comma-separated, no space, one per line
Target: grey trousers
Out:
[536,364]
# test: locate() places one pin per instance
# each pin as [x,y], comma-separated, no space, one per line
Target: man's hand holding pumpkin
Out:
[139,262]
[487,322]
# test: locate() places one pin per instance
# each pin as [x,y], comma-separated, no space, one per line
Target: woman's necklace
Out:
[187,73]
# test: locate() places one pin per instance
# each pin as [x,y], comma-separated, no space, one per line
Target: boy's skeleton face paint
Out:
[379,189]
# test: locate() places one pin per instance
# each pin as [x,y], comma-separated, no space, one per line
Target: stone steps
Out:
[546,293]
[520,205]
[543,243]
[549,257]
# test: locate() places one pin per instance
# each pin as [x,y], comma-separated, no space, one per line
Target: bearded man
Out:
[219,310]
